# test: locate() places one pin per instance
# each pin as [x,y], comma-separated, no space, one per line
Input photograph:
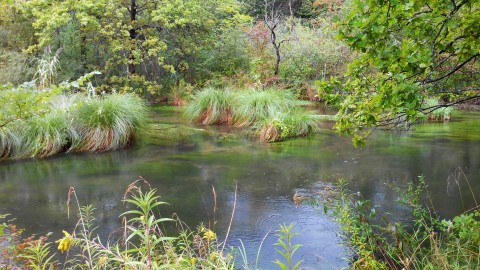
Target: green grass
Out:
[211,107]
[9,141]
[294,123]
[272,114]
[254,105]
[108,123]
[43,136]
[440,114]
[76,124]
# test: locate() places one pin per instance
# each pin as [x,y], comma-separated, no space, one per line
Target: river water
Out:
[266,177]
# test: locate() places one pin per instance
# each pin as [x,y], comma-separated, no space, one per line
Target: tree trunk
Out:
[133,36]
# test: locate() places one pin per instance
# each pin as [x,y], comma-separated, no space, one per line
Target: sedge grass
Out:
[75,124]
[108,122]
[294,123]
[43,136]
[9,141]
[254,105]
[272,114]
[211,107]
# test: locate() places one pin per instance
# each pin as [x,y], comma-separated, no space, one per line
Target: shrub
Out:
[427,242]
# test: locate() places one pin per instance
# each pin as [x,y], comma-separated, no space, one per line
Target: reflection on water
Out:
[267,176]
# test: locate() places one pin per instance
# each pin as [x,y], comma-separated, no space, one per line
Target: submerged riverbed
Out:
[266,175]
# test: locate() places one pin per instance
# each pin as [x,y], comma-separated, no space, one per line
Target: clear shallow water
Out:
[267,176]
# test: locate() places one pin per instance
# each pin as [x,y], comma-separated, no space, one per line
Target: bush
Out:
[427,242]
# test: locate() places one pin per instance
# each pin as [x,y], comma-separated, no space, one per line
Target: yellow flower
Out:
[193,261]
[213,256]
[64,243]
[209,235]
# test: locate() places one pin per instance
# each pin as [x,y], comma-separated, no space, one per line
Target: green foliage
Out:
[311,52]
[426,243]
[154,44]
[38,256]
[23,102]
[284,241]
[144,244]
[409,49]
[328,91]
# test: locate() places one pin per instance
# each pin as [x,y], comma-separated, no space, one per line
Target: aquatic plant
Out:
[435,112]
[294,123]
[254,105]
[9,141]
[43,136]
[211,107]
[108,122]
[274,115]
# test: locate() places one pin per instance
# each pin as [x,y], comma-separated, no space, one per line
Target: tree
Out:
[141,41]
[408,50]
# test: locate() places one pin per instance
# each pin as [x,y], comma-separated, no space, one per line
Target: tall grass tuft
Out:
[436,112]
[107,123]
[273,114]
[9,141]
[294,123]
[211,107]
[43,136]
[254,105]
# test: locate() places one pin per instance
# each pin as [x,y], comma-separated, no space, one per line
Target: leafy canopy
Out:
[407,50]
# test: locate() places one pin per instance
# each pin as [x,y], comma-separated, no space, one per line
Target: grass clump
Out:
[43,136]
[294,123]
[428,242]
[9,141]
[75,123]
[211,107]
[435,111]
[108,122]
[272,114]
[253,105]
